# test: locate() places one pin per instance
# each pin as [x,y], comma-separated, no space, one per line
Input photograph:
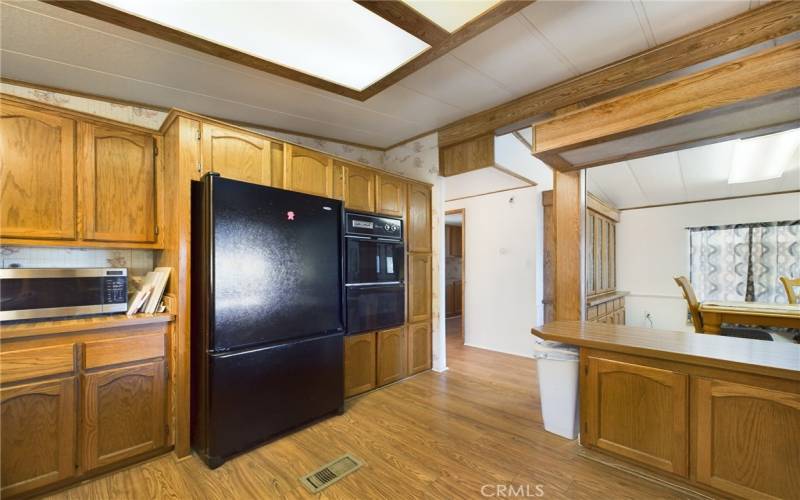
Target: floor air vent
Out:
[329,474]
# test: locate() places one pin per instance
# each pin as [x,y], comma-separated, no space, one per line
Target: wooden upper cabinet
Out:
[392,353]
[748,439]
[638,412]
[37,174]
[123,413]
[419,218]
[359,363]
[307,171]
[419,347]
[359,187]
[390,195]
[419,287]
[119,180]
[38,429]
[236,155]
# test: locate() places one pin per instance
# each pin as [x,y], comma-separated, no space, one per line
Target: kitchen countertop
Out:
[752,356]
[34,328]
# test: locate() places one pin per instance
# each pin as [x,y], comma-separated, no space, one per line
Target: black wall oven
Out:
[375,272]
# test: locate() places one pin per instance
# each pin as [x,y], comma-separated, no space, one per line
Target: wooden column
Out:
[568,268]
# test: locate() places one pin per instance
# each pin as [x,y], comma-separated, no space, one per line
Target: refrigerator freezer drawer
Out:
[259,393]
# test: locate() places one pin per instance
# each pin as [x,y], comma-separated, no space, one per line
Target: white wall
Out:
[500,265]
[653,246]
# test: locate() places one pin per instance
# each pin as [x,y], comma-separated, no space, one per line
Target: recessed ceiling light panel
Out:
[763,158]
[336,40]
[451,14]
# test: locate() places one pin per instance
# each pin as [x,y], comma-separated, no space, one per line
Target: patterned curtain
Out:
[744,261]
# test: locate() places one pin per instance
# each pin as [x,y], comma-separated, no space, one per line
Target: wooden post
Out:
[568,269]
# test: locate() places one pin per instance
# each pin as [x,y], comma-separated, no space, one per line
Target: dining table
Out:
[748,313]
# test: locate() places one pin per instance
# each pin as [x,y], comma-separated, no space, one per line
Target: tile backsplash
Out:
[138,262]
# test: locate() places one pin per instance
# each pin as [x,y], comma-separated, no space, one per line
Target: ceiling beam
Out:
[469,155]
[407,19]
[755,26]
[761,76]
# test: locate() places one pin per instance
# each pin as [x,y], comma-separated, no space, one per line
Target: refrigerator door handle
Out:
[376,283]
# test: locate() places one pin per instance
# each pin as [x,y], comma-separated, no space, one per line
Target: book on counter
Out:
[148,298]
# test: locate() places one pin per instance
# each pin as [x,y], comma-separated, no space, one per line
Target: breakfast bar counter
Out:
[718,413]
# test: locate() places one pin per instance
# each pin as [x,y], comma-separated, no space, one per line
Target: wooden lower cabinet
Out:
[638,412]
[419,347]
[37,426]
[359,363]
[391,355]
[123,413]
[733,423]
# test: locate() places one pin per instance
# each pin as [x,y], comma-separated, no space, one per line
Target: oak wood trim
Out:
[392,13]
[408,19]
[467,156]
[490,192]
[463,212]
[517,176]
[765,73]
[491,17]
[790,191]
[596,204]
[755,26]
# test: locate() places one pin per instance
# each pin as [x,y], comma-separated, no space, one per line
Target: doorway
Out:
[454,243]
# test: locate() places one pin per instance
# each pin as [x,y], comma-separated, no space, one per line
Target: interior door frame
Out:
[463,212]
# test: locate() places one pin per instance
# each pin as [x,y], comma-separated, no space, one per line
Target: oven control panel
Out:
[373,226]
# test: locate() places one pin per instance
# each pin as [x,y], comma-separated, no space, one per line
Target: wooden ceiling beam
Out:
[764,75]
[768,22]
[407,19]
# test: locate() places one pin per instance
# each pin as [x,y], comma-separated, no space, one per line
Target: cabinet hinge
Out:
[198,133]
[155,150]
[199,166]
[156,229]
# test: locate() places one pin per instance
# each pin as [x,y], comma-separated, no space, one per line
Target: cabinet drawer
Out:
[35,363]
[124,350]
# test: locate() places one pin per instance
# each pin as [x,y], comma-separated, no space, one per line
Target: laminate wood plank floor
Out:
[434,435]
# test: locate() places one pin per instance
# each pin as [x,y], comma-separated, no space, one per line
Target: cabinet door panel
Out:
[391,195]
[359,363]
[734,423]
[359,188]
[638,412]
[37,175]
[237,155]
[119,174]
[419,218]
[38,435]
[419,287]
[123,413]
[419,347]
[308,172]
[391,355]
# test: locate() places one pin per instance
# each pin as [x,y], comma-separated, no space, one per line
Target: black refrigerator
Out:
[267,314]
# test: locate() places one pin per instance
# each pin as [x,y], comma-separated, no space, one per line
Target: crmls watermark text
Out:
[512,491]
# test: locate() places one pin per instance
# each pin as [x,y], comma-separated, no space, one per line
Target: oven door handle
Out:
[375,283]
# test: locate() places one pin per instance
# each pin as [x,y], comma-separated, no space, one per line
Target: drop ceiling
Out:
[695,174]
[544,43]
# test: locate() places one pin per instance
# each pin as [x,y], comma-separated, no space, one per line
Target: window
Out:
[744,261]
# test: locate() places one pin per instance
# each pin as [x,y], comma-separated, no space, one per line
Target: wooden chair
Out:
[789,284]
[697,318]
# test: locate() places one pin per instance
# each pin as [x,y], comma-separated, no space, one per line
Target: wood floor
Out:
[431,436]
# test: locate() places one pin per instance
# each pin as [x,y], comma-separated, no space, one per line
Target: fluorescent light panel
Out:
[763,158]
[336,40]
[451,14]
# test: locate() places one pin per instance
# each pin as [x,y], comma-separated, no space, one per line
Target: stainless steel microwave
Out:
[51,293]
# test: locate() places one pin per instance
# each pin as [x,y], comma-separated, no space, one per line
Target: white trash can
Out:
[557,366]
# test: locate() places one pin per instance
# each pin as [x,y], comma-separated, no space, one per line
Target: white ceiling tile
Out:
[589,33]
[671,19]
[706,169]
[511,53]
[451,81]
[618,184]
[660,178]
